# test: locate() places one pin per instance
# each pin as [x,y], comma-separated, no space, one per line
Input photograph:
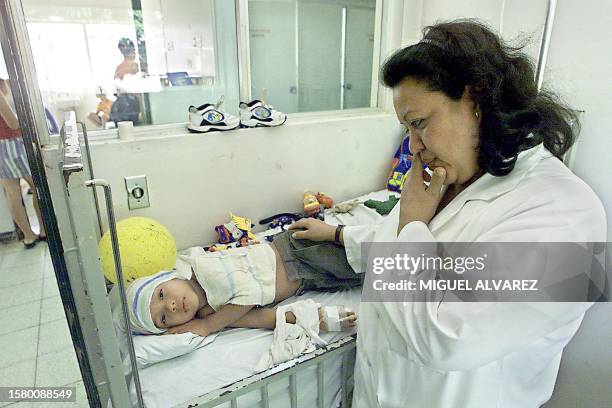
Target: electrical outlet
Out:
[137,192]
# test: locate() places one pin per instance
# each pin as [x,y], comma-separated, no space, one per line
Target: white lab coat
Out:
[476,355]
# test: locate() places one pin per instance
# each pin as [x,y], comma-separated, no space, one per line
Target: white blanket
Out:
[292,340]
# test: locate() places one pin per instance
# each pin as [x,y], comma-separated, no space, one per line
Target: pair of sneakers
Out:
[256,113]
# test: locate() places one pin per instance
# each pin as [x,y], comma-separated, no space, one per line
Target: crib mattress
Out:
[233,356]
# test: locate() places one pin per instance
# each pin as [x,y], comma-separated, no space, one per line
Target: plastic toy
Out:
[326,200]
[146,247]
[382,207]
[399,166]
[311,204]
[238,229]
[281,220]
[345,208]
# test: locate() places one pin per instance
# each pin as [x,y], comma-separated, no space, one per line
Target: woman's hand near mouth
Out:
[426,176]
[419,201]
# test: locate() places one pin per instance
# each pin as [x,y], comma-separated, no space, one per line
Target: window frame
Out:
[244,57]
[377,103]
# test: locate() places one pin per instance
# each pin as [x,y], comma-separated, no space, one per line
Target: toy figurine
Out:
[281,220]
[345,208]
[311,205]
[326,200]
[238,229]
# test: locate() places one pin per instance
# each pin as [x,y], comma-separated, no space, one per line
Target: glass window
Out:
[141,60]
[147,61]
[309,55]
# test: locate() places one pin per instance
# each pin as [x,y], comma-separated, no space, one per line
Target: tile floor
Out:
[35,345]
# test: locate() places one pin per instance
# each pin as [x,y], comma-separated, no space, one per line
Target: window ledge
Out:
[142,133]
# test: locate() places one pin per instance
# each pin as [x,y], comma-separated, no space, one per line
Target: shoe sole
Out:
[262,124]
[206,129]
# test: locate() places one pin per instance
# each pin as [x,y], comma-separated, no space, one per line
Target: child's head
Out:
[160,301]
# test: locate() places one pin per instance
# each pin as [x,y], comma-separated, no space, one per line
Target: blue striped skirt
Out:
[13,159]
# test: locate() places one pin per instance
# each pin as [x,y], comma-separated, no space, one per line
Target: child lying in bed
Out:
[226,286]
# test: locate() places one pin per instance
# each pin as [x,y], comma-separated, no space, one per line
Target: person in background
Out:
[14,166]
[128,65]
[127,105]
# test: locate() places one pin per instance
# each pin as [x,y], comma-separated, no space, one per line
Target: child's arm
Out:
[213,323]
[261,318]
[205,311]
[226,316]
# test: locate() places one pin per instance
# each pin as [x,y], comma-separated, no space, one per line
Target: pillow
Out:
[155,348]
[151,349]
[399,166]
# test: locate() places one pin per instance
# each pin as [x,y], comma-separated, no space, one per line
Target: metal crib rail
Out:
[117,259]
[91,175]
[76,222]
[321,384]
[261,381]
[62,144]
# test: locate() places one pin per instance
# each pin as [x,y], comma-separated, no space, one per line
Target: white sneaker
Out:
[208,117]
[257,113]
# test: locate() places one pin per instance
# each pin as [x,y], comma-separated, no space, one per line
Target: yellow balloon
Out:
[146,247]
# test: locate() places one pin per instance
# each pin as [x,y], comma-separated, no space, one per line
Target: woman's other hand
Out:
[195,326]
[419,201]
[313,229]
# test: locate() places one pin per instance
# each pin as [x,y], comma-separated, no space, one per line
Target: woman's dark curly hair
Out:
[515,116]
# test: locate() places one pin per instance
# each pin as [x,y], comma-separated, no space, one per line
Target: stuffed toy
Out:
[382,207]
[345,208]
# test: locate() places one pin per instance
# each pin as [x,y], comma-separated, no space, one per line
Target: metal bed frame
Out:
[345,347]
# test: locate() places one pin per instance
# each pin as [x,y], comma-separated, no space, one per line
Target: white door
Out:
[358,51]
[272,35]
[320,62]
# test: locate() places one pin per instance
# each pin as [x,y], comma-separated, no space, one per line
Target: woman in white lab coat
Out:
[494,144]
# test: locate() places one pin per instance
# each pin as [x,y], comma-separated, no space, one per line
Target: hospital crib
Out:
[70,175]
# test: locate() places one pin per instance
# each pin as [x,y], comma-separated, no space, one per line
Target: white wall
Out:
[579,66]
[508,18]
[195,180]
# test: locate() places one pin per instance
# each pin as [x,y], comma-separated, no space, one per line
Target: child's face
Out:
[174,302]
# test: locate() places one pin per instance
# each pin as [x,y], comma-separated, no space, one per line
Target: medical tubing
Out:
[117,257]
